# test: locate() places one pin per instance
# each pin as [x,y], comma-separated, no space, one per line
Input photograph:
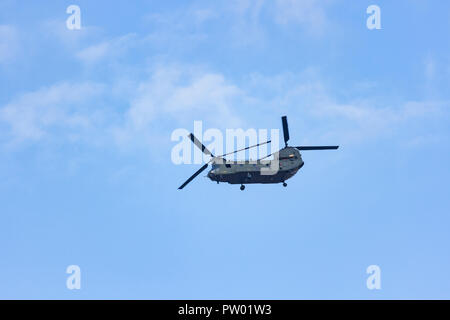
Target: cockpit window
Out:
[291,157]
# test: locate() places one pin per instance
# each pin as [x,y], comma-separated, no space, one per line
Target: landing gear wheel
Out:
[284,184]
[242,187]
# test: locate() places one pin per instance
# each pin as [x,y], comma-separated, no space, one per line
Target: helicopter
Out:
[287,161]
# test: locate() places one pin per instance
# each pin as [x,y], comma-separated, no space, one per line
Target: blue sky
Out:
[86,176]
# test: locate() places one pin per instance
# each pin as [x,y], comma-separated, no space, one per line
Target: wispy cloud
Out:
[9,43]
[56,111]
[429,68]
[324,115]
[175,95]
[179,93]
[105,49]
[77,111]
[71,39]
[309,14]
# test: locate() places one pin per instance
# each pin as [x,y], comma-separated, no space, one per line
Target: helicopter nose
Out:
[211,175]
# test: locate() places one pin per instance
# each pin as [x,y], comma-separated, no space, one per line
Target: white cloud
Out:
[325,116]
[180,94]
[430,68]
[245,22]
[35,115]
[180,29]
[238,22]
[202,15]
[360,121]
[70,39]
[364,120]
[94,53]
[247,17]
[173,96]
[9,43]
[110,48]
[187,18]
[177,95]
[310,14]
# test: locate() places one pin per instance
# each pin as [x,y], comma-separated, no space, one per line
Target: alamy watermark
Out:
[73,22]
[374,20]
[213,139]
[74,280]
[373,282]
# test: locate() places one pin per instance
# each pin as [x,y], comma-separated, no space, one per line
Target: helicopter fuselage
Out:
[285,165]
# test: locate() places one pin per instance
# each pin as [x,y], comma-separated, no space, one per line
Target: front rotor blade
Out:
[285,129]
[193,176]
[200,145]
[256,145]
[317,147]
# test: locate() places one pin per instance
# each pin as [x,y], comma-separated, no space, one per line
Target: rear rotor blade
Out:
[193,176]
[317,147]
[285,129]
[200,145]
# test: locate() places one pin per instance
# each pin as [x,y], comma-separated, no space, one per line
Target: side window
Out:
[228,165]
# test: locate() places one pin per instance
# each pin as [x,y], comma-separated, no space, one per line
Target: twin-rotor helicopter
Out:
[286,163]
